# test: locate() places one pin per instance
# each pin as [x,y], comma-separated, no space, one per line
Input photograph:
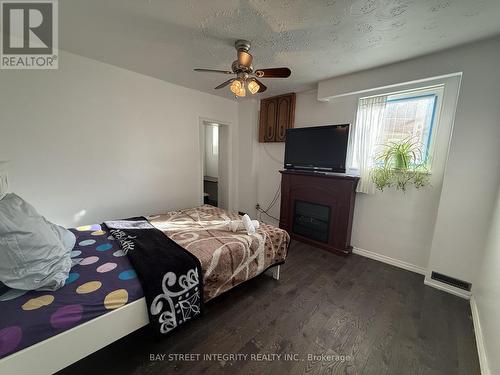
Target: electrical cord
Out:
[271,205]
[272,217]
[278,190]
[275,199]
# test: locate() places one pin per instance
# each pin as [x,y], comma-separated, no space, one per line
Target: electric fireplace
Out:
[317,208]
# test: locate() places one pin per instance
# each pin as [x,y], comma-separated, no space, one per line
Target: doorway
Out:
[215,168]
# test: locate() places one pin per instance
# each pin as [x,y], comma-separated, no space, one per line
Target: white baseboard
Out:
[481,350]
[447,288]
[389,260]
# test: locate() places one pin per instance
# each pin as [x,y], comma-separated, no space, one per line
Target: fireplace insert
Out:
[311,220]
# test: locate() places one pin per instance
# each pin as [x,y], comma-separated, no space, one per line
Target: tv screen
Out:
[319,148]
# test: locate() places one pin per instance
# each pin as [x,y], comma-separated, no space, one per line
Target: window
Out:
[215,140]
[407,115]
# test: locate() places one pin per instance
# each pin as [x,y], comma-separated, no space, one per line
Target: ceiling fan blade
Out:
[224,84]
[244,59]
[262,86]
[213,71]
[273,73]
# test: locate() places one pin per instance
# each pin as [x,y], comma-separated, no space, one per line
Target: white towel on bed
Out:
[247,224]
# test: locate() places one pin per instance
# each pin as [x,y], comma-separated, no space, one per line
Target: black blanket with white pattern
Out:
[171,277]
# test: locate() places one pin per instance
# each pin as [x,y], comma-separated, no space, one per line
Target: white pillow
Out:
[34,253]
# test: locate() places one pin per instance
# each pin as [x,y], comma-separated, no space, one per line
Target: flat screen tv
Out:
[319,148]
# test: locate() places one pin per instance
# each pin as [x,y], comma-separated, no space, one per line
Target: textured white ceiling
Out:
[315,39]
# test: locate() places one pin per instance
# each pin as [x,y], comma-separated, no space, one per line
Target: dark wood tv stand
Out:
[318,208]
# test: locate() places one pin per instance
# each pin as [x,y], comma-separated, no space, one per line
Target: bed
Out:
[103,300]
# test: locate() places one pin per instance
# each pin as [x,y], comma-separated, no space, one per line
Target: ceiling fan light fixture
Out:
[246,76]
[242,91]
[236,86]
[253,87]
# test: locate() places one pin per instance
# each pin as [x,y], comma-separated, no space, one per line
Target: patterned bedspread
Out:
[227,258]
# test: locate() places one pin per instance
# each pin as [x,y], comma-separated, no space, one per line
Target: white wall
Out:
[248,147]
[473,168]
[96,138]
[487,294]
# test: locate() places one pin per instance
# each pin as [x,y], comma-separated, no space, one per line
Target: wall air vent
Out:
[451,281]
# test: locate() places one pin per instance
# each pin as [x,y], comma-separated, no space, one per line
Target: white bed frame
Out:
[60,351]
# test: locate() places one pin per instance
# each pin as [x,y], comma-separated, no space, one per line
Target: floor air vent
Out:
[451,281]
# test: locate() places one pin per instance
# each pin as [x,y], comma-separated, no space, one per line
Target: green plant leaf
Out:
[401,165]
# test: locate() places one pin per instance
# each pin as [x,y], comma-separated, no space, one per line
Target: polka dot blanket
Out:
[104,280]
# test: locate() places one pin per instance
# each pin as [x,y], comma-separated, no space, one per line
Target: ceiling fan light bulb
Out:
[253,87]
[235,86]
[242,92]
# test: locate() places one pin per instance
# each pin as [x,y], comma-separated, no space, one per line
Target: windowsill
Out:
[355,172]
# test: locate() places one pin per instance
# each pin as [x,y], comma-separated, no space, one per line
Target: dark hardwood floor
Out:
[368,317]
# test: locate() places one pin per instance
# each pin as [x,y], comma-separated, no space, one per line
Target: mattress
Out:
[227,258]
[103,281]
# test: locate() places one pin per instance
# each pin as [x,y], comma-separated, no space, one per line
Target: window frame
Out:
[411,94]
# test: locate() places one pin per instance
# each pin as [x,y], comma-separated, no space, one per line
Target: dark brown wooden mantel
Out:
[337,191]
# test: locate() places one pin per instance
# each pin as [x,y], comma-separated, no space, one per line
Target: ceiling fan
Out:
[246,77]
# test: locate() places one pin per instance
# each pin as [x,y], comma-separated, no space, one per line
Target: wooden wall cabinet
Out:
[276,115]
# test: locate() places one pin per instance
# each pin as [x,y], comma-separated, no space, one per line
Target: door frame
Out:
[224,184]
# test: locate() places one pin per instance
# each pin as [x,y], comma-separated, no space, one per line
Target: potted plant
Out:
[400,164]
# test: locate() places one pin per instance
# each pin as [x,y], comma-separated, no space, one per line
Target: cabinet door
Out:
[276,115]
[283,118]
[268,120]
